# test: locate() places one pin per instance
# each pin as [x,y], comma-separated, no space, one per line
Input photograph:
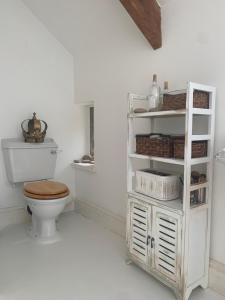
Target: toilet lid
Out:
[46,190]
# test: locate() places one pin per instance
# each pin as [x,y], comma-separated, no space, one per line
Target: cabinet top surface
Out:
[173,205]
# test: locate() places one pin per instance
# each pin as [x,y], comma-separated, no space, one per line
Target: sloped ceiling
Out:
[62,18]
[72,22]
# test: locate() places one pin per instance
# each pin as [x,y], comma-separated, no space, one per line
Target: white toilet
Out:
[33,164]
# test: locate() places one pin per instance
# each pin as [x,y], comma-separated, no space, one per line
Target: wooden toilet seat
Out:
[46,190]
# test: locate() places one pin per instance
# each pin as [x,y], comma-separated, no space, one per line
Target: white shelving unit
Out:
[170,239]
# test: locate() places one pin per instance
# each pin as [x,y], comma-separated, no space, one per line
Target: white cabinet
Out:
[166,232]
[154,239]
[170,239]
[140,231]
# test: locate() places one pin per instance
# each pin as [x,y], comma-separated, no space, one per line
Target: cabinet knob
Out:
[148,240]
[152,242]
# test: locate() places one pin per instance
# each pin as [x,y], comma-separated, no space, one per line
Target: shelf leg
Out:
[185,294]
[205,283]
[128,261]
[183,297]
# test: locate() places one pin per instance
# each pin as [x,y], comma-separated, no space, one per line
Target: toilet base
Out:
[46,241]
[44,215]
[44,231]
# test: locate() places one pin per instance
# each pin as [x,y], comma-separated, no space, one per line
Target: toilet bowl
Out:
[46,200]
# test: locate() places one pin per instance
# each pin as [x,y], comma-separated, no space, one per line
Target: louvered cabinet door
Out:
[167,244]
[139,230]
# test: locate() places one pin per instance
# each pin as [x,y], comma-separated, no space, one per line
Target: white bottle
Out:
[154,97]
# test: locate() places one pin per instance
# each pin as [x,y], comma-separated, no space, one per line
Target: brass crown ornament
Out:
[34,133]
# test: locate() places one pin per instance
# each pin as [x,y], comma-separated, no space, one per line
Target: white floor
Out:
[87,264]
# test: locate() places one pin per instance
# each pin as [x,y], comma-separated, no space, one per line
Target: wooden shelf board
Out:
[156,158]
[170,113]
[174,205]
[198,186]
[155,114]
[201,137]
[199,206]
[202,111]
[200,160]
[181,162]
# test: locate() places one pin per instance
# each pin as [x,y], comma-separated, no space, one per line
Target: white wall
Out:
[36,74]
[112,58]
[122,61]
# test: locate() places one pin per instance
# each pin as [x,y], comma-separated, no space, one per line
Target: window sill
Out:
[84,167]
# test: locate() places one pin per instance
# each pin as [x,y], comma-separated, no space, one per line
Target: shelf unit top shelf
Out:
[170,113]
[181,162]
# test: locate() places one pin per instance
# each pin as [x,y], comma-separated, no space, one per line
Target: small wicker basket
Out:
[199,148]
[158,185]
[154,144]
[174,101]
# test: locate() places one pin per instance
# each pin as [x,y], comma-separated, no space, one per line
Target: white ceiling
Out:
[67,20]
[73,22]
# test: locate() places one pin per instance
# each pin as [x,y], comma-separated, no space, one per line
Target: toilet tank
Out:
[29,161]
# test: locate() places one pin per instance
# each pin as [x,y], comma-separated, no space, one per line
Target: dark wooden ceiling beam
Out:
[147,16]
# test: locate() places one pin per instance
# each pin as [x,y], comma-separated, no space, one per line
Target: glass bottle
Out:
[154,97]
[165,91]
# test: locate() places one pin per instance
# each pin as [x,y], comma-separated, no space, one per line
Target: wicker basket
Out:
[199,148]
[178,100]
[154,145]
[156,184]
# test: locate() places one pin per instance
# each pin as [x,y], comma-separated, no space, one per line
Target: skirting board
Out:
[103,216]
[19,215]
[14,215]
[117,225]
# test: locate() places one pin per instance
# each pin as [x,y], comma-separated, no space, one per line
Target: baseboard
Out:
[70,206]
[117,224]
[217,277]
[19,215]
[101,215]
[14,215]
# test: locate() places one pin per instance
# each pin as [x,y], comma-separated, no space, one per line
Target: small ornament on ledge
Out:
[86,159]
[140,110]
[34,133]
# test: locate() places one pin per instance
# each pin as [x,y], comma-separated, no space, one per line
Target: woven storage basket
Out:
[154,145]
[158,185]
[199,148]
[178,101]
